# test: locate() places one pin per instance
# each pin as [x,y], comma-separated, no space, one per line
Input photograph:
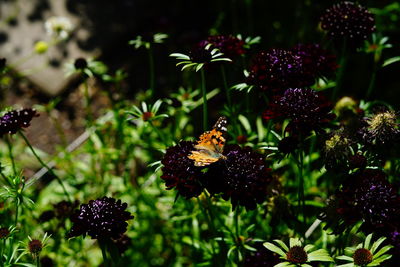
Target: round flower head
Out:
[243,177]
[231,46]
[58,27]
[317,62]
[337,151]
[367,195]
[306,109]
[13,121]
[101,218]
[80,63]
[383,129]
[277,70]
[348,21]
[179,171]
[64,209]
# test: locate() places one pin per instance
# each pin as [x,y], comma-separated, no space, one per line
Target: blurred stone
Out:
[24,27]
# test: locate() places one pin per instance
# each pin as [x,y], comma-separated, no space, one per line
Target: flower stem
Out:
[10,153]
[371,85]
[204,91]
[45,165]
[342,70]
[152,72]
[103,248]
[88,109]
[237,231]
[38,261]
[301,200]
[227,91]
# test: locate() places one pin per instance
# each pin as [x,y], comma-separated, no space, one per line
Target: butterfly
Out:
[211,145]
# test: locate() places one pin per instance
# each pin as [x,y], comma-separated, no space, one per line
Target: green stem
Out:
[227,90]
[204,91]
[159,133]
[38,260]
[3,245]
[371,85]
[10,153]
[45,165]
[209,218]
[152,72]
[301,200]
[237,231]
[16,211]
[88,109]
[342,70]
[103,248]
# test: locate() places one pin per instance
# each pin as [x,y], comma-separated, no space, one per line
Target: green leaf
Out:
[345,258]
[308,248]
[390,61]
[376,244]
[320,255]
[283,264]
[382,251]
[180,56]
[275,249]
[294,242]
[199,66]
[367,241]
[346,265]
[282,244]
[156,106]
[245,122]
[188,66]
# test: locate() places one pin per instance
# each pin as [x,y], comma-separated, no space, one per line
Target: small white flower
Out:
[58,27]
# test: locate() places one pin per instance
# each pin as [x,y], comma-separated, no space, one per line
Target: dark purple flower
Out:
[80,63]
[231,46]
[317,62]
[367,195]
[306,109]
[101,218]
[348,21]
[199,53]
[65,209]
[278,69]
[243,177]
[179,171]
[46,216]
[13,121]
[382,129]
[4,232]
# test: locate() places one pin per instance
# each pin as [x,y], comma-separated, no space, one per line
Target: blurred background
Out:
[102,29]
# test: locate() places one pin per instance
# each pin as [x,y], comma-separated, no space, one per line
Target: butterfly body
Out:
[210,147]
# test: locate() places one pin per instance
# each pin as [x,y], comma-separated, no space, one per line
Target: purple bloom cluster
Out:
[242,177]
[307,110]
[275,70]
[101,218]
[348,21]
[13,121]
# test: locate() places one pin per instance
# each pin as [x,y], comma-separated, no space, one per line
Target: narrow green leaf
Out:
[275,249]
[390,61]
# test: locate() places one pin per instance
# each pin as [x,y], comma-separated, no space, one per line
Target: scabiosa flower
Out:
[306,109]
[231,46]
[179,171]
[243,177]
[101,218]
[46,216]
[317,61]
[337,150]
[366,254]
[367,195]
[13,121]
[297,254]
[350,21]
[382,129]
[80,63]
[277,70]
